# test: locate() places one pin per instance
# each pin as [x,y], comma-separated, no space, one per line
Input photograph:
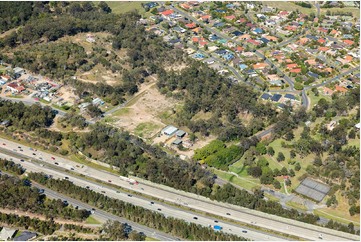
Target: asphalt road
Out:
[244,215]
[140,201]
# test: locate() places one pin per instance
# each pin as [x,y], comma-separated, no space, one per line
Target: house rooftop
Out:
[276,97]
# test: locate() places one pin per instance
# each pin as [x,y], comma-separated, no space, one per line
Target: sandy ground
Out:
[67,93]
[145,108]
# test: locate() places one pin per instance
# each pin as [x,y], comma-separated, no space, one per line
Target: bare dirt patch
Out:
[143,111]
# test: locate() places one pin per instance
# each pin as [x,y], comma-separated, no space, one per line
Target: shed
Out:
[7,234]
[177,142]
[169,130]
[276,97]
[25,236]
[266,96]
[290,96]
[180,133]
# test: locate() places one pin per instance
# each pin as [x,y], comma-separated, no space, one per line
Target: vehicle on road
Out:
[118,192]
[217,228]
[4,144]
[195,218]
[228,214]
[19,147]
[151,202]
[34,154]
[216,221]
[65,203]
[87,187]
[67,178]
[130,195]
[244,231]
[159,209]
[109,181]
[103,191]
[53,158]
[22,160]
[41,191]
[56,163]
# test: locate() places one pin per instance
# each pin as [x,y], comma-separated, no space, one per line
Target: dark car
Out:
[244,231]
[67,178]
[216,221]
[22,160]
[87,187]
[159,209]
[56,163]
[195,218]
[34,154]
[130,195]
[228,214]
[151,202]
[103,191]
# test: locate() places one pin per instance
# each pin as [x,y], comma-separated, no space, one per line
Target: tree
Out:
[284,171]
[270,151]
[261,148]
[276,184]
[291,173]
[317,161]
[297,166]
[254,171]
[354,210]
[104,7]
[289,136]
[352,134]
[298,86]
[280,157]
[288,182]
[292,154]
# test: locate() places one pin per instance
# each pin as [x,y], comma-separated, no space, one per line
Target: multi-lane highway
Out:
[109,191]
[287,226]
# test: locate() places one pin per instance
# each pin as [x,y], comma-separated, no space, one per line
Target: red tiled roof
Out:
[167,12]
[230,17]
[252,41]
[191,25]
[296,70]
[206,17]
[348,42]
[291,66]
[322,41]
[340,89]
[324,49]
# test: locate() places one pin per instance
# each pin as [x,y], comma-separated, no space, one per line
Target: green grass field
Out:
[123,7]
[146,129]
[289,6]
[92,220]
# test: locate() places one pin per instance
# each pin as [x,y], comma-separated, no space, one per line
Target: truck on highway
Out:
[217,228]
[131,181]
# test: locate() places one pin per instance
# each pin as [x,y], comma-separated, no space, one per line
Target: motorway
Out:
[287,226]
[138,200]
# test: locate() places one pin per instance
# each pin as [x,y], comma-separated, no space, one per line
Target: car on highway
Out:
[67,178]
[65,203]
[159,209]
[41,191]
[151,202]
[244,231]
[41,158]
[118,192]
[22,160]
[195,218]
[228,214]
[92,211]
[4,144]
[34,154]
[130,195]
[87,187]
[19,147]
[109,181]
[103,191]
[76,207]
[53,158]
[56,163]
[216,221]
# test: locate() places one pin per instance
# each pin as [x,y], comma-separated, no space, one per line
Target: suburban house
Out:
[259,66]
[14,87]
[25,236]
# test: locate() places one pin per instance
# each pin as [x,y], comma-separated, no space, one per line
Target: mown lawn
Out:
[123,7]
[92,220]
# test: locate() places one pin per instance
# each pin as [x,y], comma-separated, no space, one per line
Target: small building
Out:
[180,133]
[177,142]
[25,236]
[290,96]
[97,101]
[7,234]
[276,97]
[169,130]
[6,123]
[266,96]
